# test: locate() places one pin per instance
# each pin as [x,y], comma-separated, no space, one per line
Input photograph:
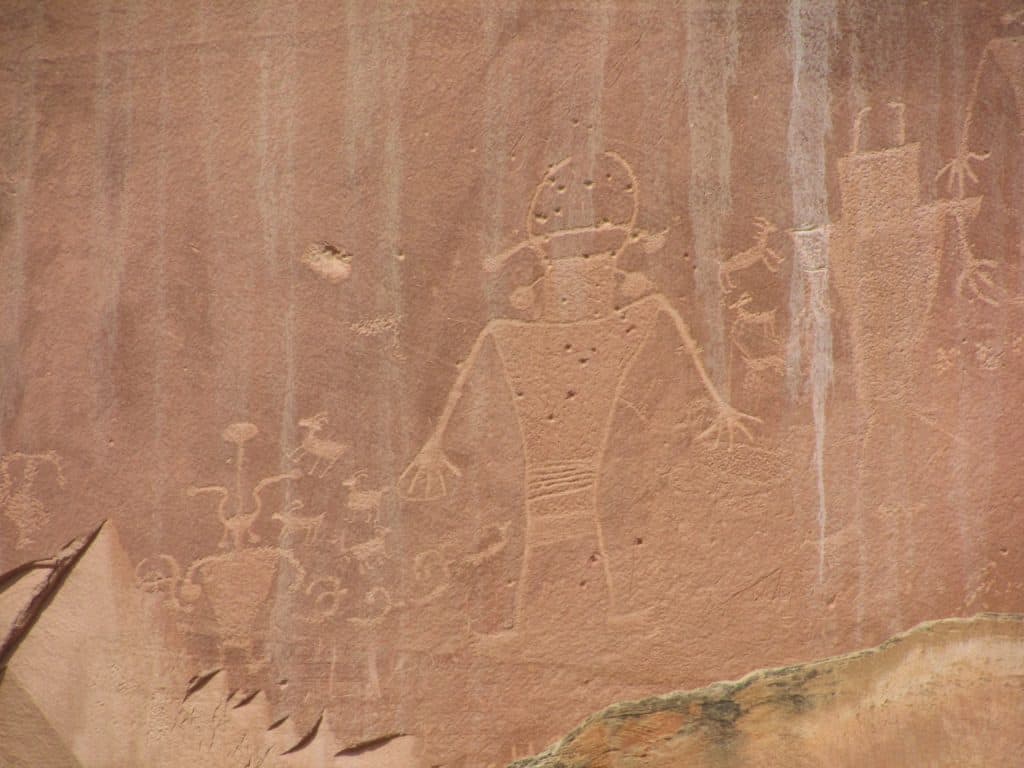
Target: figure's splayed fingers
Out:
[959,170]
[424,478]
[977,277]
[451,467]
[728,422]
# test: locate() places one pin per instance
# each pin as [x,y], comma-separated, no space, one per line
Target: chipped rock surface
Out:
[397,383]
[947,693]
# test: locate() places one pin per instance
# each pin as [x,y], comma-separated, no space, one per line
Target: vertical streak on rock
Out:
[495,140]
[159,449]
[359,82]
[962,94]
[710,68]
[603,15]
[100,223]
[811,23]
[22,125]
[396,21]
[276,143]
[112,154]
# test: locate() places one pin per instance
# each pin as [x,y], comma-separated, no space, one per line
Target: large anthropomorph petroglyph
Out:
[564,372]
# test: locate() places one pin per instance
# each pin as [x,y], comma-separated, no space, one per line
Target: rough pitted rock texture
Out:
[442,372]
[947,693]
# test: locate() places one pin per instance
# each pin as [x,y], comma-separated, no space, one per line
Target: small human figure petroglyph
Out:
[328,261]
[325,453]
[17,496]
[292,524]
[758,252]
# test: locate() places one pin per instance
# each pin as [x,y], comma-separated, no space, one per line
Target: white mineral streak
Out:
[710,68]
[811,27]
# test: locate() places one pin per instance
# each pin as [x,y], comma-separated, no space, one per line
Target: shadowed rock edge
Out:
[714,710]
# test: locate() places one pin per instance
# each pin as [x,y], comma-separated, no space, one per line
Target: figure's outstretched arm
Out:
[728,420]
[424,478]
[460,381]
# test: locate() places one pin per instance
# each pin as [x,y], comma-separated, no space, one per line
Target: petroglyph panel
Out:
[443,372]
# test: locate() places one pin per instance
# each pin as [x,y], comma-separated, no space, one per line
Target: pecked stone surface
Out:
[444,372]
[946,693]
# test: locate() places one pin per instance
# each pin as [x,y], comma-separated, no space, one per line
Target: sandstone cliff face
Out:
[444,372]
[947,693]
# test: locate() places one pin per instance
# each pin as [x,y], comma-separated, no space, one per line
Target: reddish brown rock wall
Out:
[445,372]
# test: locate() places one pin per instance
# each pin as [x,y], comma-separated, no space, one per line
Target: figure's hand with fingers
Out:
[727,422]
[976,280]
[958,171]
[428,476]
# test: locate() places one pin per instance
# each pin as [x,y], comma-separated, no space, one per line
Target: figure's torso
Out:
[565,380]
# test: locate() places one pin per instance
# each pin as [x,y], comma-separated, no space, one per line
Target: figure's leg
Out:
[606,566]
[616,613]
[524,574]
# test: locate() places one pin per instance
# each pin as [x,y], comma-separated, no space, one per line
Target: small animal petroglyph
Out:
[378,604]
[328,261]
[328,591]
[431,576]
[370,555]
[493,541]
[988,357]
[759,369]
[758,252]
[946,359]
[325,453]
[17,495]
[292,524]
[1018,345]
[364,503]
[745,319]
